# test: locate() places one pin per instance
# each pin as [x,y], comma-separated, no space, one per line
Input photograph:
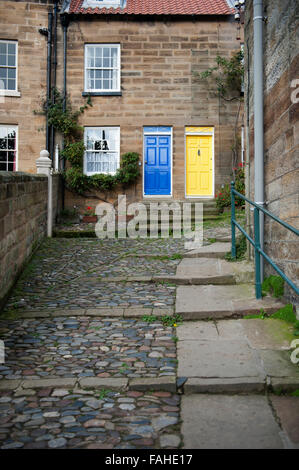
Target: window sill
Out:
[101,93]
[10,93]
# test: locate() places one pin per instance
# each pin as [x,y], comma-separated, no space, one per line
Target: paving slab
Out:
[197,330]
[228,422]
[218,359]
[213,271]
[159,383]
[208,302]
[278,364]
[269,333]
[44,383]
[215,250]
[223,385]
[98,383]
[287,410]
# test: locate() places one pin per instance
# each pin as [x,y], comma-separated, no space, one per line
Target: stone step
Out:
[215,250]
[214,301]
[203,271]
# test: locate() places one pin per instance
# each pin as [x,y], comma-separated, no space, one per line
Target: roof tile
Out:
[158,7]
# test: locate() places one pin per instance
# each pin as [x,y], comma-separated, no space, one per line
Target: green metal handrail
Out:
[256,241]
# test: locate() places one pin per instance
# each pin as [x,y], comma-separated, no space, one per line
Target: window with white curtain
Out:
[8,148]
[102,148]
[102,67]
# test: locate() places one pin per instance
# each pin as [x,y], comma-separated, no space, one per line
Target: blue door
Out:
[157,165]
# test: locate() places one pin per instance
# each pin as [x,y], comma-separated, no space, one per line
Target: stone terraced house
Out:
[139,62]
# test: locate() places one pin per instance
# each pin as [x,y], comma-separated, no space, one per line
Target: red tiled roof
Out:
[159,7]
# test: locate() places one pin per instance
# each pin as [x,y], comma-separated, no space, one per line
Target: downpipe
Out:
[258,23]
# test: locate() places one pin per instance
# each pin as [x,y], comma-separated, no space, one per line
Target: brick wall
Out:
[281,129]
[23,221]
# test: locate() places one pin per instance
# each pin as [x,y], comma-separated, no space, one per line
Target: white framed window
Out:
[8,66]
[102,150]
[8,148]
[102,67]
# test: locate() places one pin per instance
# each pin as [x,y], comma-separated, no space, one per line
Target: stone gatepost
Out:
[44,166]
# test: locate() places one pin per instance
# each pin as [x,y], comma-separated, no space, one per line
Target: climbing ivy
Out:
[65,120]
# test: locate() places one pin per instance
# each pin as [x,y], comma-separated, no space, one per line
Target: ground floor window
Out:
[8,148]
[102,146]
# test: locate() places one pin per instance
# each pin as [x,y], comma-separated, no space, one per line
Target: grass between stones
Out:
[286,314]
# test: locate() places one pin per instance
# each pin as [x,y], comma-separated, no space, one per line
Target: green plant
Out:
[273,285]
[149,318]
[223,198]
[103,393]
[241,248]
[172,320]
[295,393]
[65,120]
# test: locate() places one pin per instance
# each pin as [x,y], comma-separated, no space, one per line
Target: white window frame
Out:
[17,144]
[86,68]
[14,92]
[101,128]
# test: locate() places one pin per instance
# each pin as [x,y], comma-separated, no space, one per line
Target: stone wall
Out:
[281,129]
[159,63]
[23,221]
[20,21]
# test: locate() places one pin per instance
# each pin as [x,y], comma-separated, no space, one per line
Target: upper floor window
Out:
[102,67]
[8,148]
[8,65]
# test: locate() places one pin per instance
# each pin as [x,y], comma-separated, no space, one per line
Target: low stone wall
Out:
[23,221]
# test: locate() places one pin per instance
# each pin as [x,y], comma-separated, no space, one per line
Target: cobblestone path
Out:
[80,372]
[69,273]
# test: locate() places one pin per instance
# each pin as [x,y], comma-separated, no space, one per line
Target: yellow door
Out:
[199,165]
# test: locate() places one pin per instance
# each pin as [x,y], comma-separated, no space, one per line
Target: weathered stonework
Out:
[23,221]
[281,129]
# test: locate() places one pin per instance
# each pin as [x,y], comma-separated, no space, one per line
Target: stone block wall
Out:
[23,221]
[281,129]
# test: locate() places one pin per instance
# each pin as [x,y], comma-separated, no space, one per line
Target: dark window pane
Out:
[11,60]
[11,144]
[11,84]
[2,166]
[11,73]
[11,49]
[3,59]
[10,166]
[3,156]
[3,48]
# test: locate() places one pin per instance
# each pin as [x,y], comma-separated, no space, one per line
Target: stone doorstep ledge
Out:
[258,384]
[130,312]
[90,383]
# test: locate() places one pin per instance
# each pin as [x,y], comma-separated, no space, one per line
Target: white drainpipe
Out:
[258,20]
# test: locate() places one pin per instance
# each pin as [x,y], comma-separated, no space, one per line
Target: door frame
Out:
[155,133]
[201,133]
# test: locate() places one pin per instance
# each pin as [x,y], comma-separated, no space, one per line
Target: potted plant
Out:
[89,215]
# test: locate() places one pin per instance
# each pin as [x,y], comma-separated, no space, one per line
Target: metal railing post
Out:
[257,246]
[233,216]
